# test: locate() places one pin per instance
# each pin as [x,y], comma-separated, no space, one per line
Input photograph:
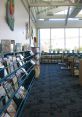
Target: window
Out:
[72,38]
[60,38]
[57,38]
[45,39]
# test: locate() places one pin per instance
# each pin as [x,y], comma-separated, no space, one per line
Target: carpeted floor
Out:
[55,94]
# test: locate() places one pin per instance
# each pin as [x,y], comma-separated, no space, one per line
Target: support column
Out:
[37,37]
[64,38]
[29,28]
[79,40]
[50,40]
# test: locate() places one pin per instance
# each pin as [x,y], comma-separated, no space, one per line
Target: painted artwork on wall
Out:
[10,5]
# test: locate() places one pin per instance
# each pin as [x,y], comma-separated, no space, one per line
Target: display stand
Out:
[16,78]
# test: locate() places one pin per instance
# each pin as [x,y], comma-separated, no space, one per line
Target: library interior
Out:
[40,58]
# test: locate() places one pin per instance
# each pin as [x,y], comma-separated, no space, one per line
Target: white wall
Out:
[21,17]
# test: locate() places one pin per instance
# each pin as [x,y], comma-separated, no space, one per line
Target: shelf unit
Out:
[51,58]
[24,82]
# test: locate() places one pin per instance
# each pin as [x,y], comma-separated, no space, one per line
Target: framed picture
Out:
[6,46]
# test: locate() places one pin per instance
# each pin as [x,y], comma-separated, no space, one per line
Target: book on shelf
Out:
[32,62]
[20,63]
[6,65]
[21,93]
[12,109]
[12,45]
[18,74]
[15,63]
[9,56]
[3,97]
[18,47]
[2,91]
[31,53]
[5,115]
[3,71]
[14,82]
[3,101]
[16,85]
[9,88]
[24,71]
[10,63]
[21,74]
[11,67]
[21,58]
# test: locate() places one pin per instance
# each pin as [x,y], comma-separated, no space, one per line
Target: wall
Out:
[21,17]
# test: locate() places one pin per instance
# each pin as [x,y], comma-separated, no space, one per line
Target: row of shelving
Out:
[17,73]
[70,61]
[51,58]
[74,64]
[57,57]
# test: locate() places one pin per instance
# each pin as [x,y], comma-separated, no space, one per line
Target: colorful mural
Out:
[10,13]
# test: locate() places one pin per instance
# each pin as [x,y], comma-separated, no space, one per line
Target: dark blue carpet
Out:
[55,94]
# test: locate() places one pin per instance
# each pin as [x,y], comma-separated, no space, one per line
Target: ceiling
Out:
[52,11]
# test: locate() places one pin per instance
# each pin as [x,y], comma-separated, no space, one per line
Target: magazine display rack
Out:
[17,75]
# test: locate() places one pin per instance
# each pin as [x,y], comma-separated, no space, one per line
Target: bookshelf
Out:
[17,74]
[51,58]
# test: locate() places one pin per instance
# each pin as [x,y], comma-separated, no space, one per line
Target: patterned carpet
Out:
[55,94]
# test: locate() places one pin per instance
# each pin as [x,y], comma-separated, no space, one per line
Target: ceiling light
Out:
[45,0]
[56,19]
[73,18]
[41,19]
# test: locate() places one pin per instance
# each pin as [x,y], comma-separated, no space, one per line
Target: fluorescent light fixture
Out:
[56,19]
[45,0]
[41,19]
[73,19]
[64,12]
[53,0]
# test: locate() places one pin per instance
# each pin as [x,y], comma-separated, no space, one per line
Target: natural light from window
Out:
[60,38]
